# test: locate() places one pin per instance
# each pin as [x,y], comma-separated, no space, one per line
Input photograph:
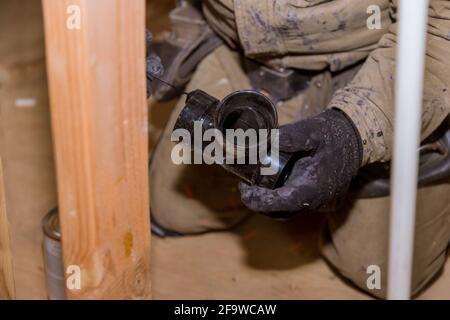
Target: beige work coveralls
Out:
[357,62]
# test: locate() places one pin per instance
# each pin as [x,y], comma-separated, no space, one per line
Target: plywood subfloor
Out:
[260,259]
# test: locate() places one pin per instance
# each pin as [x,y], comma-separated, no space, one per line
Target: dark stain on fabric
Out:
[292,19]
[342,25]
[257,18]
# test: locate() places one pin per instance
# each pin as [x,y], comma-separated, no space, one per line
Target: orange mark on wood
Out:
[128,243]
[119,180]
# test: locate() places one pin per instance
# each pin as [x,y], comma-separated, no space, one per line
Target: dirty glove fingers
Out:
[276,203]
[321,175]
[296,137]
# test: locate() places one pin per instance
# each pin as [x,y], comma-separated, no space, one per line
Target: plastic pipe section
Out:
[241,110]
[408,110]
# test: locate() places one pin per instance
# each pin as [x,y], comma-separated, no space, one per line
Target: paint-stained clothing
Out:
[353,238]
[335,34]
[330,36]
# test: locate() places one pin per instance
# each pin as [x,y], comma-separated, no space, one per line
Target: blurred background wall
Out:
[27,185]
[158,23]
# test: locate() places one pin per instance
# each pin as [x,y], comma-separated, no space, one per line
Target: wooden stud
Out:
[6,273]
[97,88]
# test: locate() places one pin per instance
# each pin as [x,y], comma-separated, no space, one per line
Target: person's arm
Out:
[358,127]
[369,99]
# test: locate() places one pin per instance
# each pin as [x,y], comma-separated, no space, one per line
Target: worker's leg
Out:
[197,198]
[357,238]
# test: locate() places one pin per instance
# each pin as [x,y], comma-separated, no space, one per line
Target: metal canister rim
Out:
[50,225]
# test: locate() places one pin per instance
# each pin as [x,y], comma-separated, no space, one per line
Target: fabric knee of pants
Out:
[358,237]
[197,198]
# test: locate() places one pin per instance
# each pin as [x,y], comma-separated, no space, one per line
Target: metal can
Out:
[53,258]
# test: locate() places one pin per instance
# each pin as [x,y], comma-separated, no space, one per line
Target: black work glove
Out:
[332,154]
[154,64]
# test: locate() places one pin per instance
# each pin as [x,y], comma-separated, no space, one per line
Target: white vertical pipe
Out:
[408,110]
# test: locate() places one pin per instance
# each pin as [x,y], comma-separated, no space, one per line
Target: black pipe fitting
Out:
[241,110]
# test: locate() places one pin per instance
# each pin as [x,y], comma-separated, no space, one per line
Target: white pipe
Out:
[408,111]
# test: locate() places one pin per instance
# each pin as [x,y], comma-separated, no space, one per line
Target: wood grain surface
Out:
[99,118]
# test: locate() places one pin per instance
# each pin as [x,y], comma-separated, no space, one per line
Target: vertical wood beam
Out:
[99,119]
[6,268]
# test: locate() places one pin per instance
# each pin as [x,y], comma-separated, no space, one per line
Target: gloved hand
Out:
[332,151]
[154,64]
